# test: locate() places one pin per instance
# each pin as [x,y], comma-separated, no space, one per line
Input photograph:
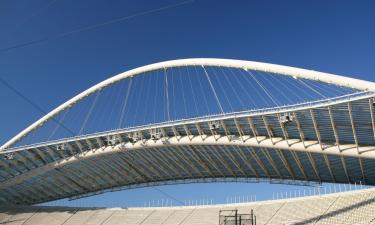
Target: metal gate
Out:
[232,217]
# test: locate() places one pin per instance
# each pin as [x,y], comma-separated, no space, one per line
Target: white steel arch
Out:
[232,63]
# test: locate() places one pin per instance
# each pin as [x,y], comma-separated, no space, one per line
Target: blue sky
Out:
[330,36]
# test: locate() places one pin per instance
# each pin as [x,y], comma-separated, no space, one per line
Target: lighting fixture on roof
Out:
[113,140]
[134,137]
[214,125]
[286,118]
[155,134]
[9,156]
[60,147]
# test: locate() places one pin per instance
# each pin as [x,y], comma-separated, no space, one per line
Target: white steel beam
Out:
[269,131]
[260,163]
[299,128]
[246,161]
[316,128]
[239,129]
[184,158]
[356,139]
[253,128]
[221,159]
[173,157]
[313,164]
[272,162]
[371,104]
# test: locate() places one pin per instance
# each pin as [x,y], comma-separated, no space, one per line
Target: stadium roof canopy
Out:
[195,120]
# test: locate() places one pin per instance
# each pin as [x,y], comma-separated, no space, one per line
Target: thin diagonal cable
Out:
[213,90]
[155,108]
[169,196]
[326,88]
[32,103]
[323,91]
[293,92]
[89,112]
[173,94]
[183,92]
[264,89]
[229,81]
[254,87]
[308,86]
[57,125]
[147,83]
[336,89]
[116,105]
[125,103]
[242,87]
[221,87]
[74,116]
[103,121]
[92,27]
[192,91]
[106,109]
[155,99]
[276,87]
[297,85]
[167,94]
[346,90]
[201,88]
[93,127]
[138,99]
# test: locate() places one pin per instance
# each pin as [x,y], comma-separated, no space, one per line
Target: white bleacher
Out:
[353,207]
[347,209]
[295,211]
[128,217]
[178,216]
[20,215]
[157,217]
[5,216]
[265,212]
[99,217]
[50,216]
[203,216]
[82,216]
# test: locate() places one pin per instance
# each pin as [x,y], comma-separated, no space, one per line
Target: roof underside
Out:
[335,125]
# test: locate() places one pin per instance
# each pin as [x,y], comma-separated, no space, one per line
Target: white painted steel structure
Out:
[329,140]
[247,65]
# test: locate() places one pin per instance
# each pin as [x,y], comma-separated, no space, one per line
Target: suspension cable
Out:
[125,103]
[167,93]
[213,90]
[308,86]
[89,112]
[264,88]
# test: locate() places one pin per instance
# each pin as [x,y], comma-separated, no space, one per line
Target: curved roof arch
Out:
[232,63]
[323,140]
